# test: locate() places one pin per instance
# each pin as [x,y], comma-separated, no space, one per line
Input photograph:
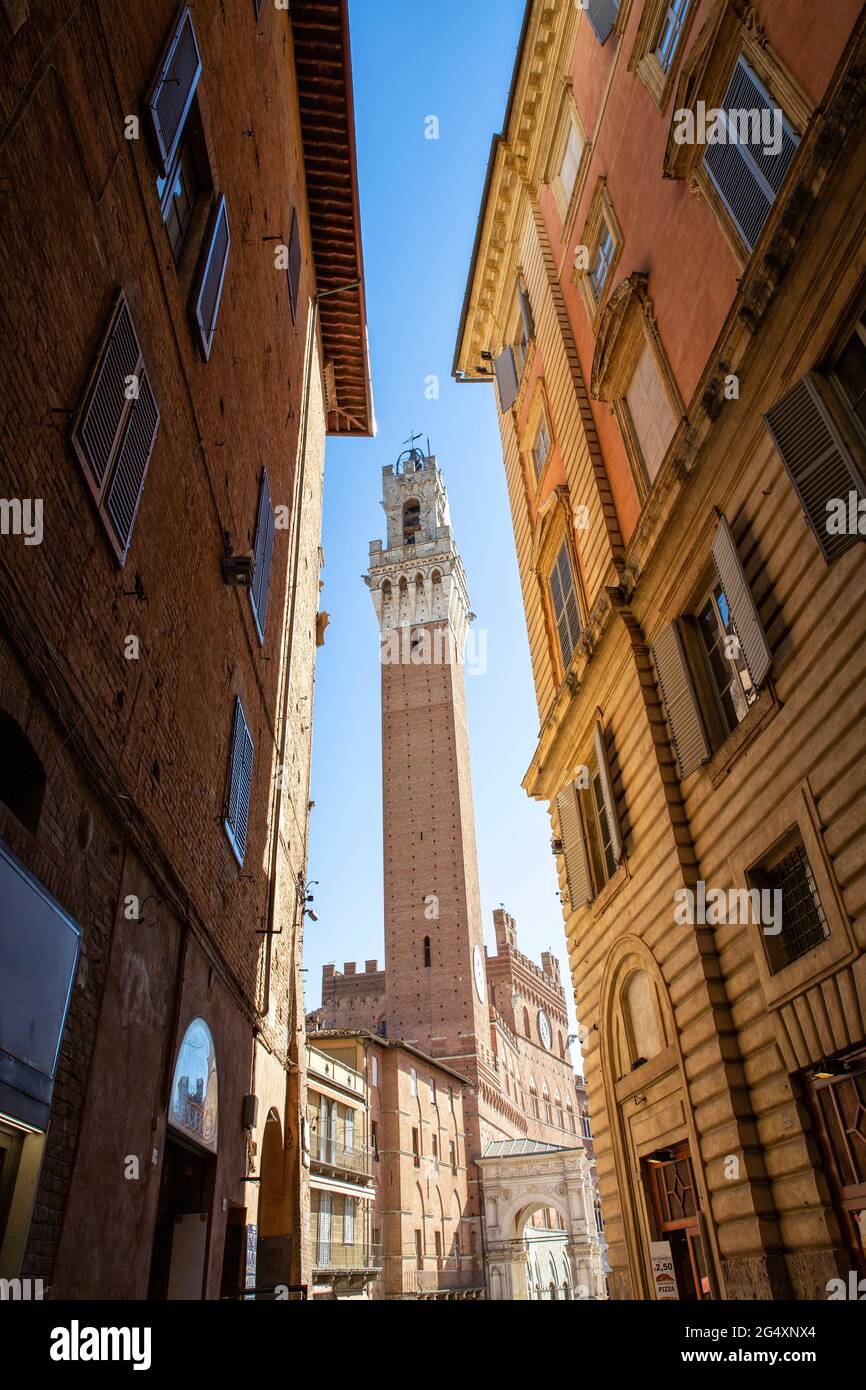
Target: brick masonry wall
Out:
[160,725]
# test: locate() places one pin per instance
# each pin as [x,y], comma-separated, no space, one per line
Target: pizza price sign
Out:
[664,1274]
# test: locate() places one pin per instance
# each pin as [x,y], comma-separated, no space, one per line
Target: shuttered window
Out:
[817,461]
[115,428]
[574,848]
[746,175]
[211,276]
[294,265]
[608,812]
[602,16]
[566,611]
[173,88]
[754,648]
[525,312]
[507,380]
[264,550]
[240,781]
[685,723]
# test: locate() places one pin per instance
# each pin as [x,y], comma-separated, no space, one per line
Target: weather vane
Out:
[411,452]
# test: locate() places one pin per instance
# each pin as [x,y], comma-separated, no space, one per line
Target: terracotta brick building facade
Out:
[667,287]
[183,324]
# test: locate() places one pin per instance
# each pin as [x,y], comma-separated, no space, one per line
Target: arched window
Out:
[411,520]
[194,1105]
[639,1006]
[22,781]
[526,1028]
[533,1098]
[548,1108]
[426,952]
[559,1115]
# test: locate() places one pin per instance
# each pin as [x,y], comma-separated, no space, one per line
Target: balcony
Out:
[441,1283]
[328,1153]
[332,1257]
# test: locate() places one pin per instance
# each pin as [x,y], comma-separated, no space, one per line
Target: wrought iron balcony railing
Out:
[358,1159]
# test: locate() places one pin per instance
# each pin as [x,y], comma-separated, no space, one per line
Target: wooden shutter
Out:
[613,825]
[239,784]
[688,736]
[747,179]
[506,378]
[753,643]
[211,276]
[294,266]
[574,847]
[525,311]
[602,16]
[173,87]
[264,549]
[816,459]
[115,429]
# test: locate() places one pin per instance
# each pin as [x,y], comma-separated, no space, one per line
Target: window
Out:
[419,1250]
[849,370]
[349,1221]
[541,447]
[374,1140]
[548,1108]
[374,1070]
[640,1011]
[437,1237]
[263,552]
[598,253]
[526,1027]
[507,370]
[746,169]
[180,189]
[732,684]
[533,1098]
[452,1155]
[435,1151]
[818,456]
[323,1246]
[671,32]
[413,1081]
[650,416]
[22,778]
[432,1085]
[569,165]
[839,1103]
[599,1218]
[294,264]
[240,781]
[735,651]
[590,830]
[185,175]
[115,427]
[804,924]
[411,521]
[416,1149]
[349,1132]
[602,260]
[526,323]
[566,612]
[426,952]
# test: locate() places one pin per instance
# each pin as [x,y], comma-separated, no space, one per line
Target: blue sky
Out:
[419,201]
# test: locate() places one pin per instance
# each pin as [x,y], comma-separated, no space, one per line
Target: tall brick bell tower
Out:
[436,990]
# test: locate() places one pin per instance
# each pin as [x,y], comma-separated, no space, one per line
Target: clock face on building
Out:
[544,1030]
[478,972]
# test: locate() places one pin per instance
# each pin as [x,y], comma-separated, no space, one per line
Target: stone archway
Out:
[520,1177]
